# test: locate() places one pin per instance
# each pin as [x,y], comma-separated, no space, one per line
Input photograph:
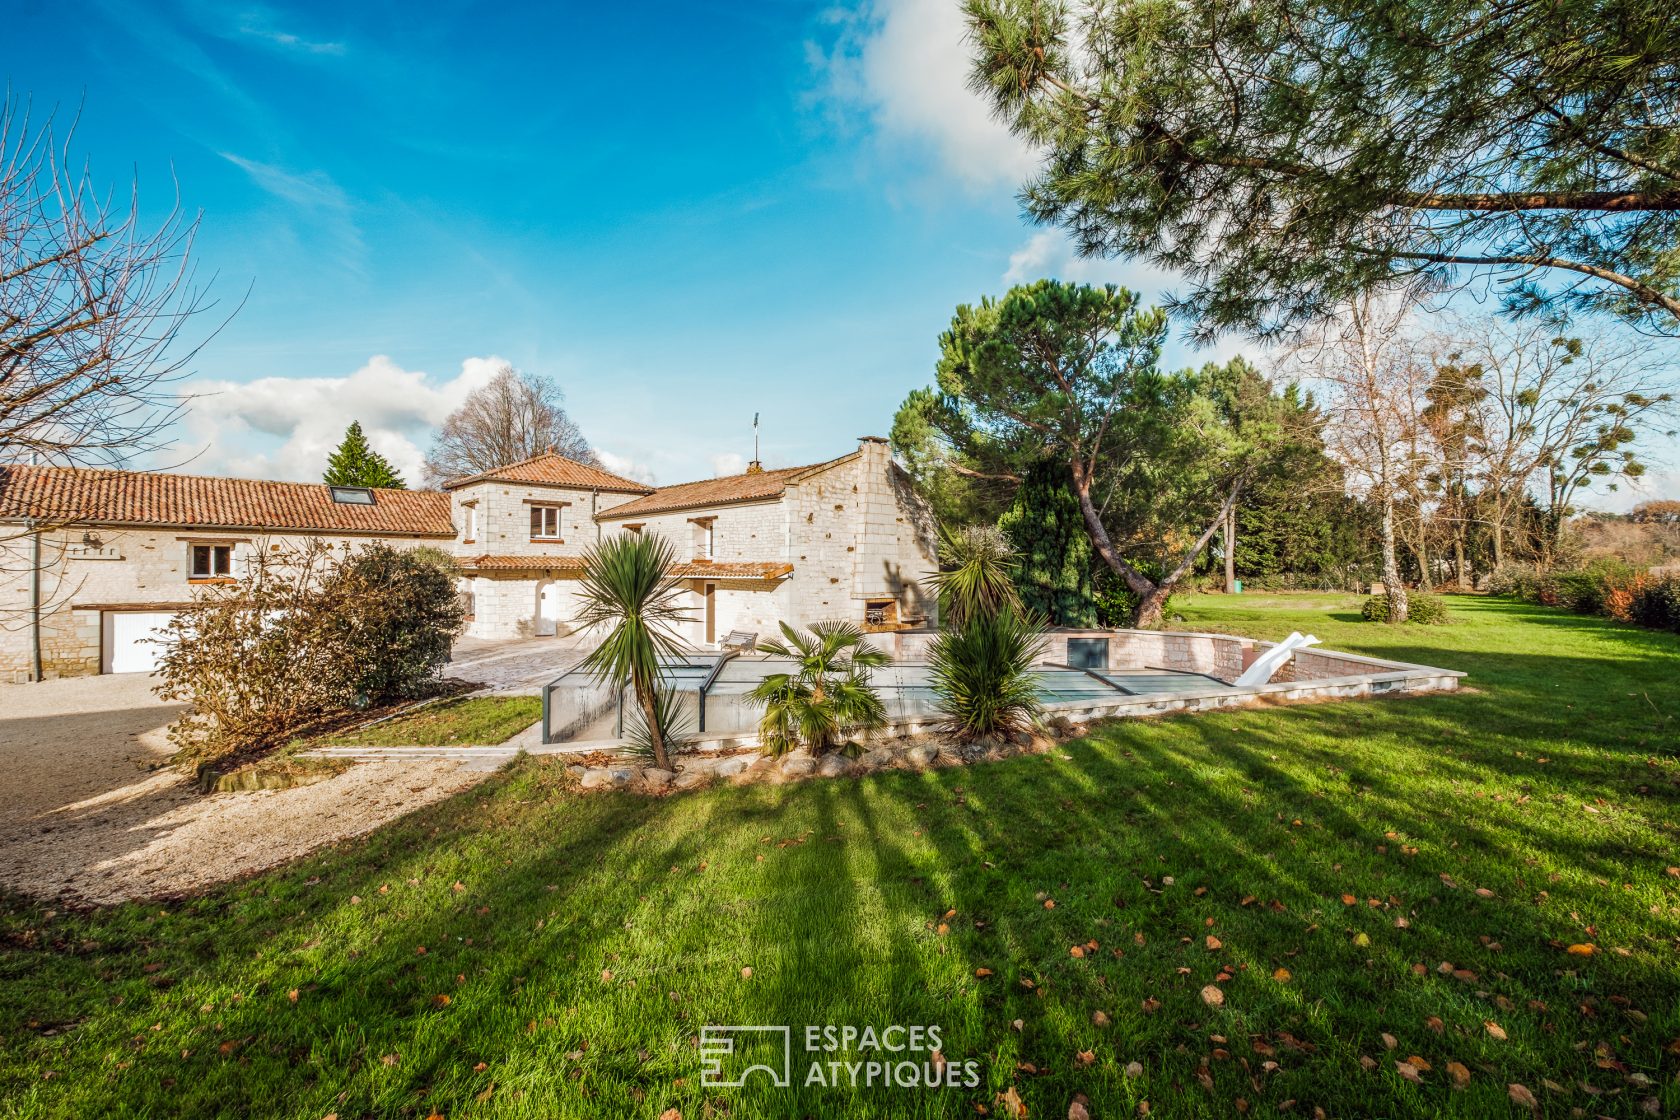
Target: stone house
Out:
[119,552]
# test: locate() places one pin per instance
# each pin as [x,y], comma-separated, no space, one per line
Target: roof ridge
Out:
[493,472]
[202,477]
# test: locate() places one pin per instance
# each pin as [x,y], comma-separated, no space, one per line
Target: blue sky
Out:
[684,214]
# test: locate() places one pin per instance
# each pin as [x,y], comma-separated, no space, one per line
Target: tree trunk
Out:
[1135,580]
[656,733]
[1397,604]
[1498,537]
[1150,608]
[1231,552]
[1459,562]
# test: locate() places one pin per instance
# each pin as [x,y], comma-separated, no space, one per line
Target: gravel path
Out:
[87,815]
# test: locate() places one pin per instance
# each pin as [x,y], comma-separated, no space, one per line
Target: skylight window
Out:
[351,495]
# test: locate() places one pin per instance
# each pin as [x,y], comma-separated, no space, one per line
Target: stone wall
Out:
[504,518]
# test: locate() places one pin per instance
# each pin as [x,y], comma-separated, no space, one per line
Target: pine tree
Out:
[357,464]
[1054,558]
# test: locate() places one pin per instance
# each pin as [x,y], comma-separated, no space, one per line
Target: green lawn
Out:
[466,721]
[527,951]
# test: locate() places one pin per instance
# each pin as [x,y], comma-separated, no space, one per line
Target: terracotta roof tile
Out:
[86,496]
[694,569]
[551,469]
[756,487]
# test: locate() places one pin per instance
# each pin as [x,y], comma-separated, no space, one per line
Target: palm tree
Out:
[976,573]
[827,697]
[626,588]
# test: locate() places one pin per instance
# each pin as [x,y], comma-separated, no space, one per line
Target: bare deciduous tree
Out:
[513,417]
[1373,377]
[92,305]
[1560,412]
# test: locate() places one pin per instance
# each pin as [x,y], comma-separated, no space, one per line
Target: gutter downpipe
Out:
[35,599]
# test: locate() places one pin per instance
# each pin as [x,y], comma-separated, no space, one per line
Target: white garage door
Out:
[129,640]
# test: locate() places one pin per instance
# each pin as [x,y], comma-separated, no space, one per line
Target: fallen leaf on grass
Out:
[1214,944]
[1520,1095]
[1077,1109]
[1495,1031]
[671,1114]
[1086,1057]
[1422,1065]
[982,972]
[746,973]
[1389,1040]
[1077,951]
[1282,975]
[1435,1024]
[1409,1072]
[1581,950]
[1013,1106]
[1134,1069]
[1460,1074]
[1212,996]
[1099,1019]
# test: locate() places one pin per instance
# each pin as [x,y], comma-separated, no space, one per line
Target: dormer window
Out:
[545,523]
[351,495]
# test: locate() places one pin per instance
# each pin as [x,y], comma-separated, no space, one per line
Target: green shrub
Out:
[1588,589]
[1427,610]
[1657,605]
[300,636]
[1520,581]
[982,674]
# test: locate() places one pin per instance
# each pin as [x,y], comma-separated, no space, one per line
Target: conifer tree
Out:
[1053,550]
[355,463]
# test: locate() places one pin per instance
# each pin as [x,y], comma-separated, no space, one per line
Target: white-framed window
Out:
[545,523]
[472,522]
[209,561]
[705,538]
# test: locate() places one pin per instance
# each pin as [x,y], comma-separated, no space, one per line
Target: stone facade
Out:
[851,534]
[837,540]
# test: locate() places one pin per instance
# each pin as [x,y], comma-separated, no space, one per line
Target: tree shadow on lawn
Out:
[840,922]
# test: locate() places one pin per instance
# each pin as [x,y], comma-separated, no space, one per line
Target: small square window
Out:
[210,561]
[545,523]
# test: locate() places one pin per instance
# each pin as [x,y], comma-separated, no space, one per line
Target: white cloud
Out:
[729,462]
[1048,253]
[905,63]
[1629,492]
[285,427]
[629,468]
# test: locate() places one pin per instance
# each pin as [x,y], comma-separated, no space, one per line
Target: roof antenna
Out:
[755,467]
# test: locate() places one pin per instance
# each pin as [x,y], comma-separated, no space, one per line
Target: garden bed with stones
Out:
[747,767]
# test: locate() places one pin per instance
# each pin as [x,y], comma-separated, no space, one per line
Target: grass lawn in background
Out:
[1381,893]
[464,721]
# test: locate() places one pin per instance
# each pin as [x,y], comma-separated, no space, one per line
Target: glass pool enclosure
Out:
[711,689]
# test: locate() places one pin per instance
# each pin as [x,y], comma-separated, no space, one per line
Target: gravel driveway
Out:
[86,813]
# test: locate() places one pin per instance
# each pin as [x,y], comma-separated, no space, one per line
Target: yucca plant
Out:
[674,722]
[627,589]
[982,674]
[976,573]
[827,698]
